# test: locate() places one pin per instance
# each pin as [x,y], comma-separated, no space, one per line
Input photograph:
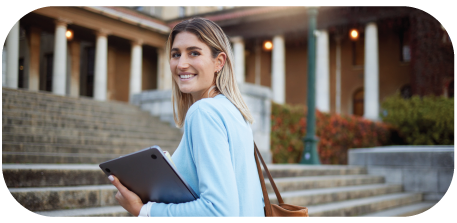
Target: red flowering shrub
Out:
[337,134]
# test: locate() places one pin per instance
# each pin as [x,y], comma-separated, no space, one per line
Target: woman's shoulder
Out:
[209,105]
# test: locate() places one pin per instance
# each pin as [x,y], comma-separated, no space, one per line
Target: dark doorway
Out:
[358,101]
[88,72]
[21,73]
[49,61]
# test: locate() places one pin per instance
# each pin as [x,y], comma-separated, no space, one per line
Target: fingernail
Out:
[111,178]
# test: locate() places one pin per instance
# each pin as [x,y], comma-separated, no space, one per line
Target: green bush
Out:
[337,133]
[421,121]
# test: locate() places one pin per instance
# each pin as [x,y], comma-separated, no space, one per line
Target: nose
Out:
[183,62]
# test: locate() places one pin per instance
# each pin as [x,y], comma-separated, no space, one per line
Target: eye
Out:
[195,53]
[175,55]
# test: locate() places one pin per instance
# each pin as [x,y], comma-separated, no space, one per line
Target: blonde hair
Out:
[212,35]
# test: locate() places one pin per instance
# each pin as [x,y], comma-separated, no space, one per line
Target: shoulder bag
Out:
[281,209]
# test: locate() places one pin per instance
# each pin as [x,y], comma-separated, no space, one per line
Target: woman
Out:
[216,153]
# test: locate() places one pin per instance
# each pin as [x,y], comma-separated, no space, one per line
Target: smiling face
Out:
[193,66]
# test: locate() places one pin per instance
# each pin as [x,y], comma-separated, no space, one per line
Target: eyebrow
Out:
[188,48]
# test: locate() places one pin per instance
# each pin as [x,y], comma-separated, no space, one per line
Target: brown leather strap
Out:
[272,182]
[266,200]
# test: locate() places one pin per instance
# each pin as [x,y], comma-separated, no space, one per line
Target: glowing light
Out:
[268,45]
[354,34]
[69,34]
[21,67]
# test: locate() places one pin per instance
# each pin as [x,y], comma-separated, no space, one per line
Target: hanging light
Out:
[267,45]
[69,34]
[354,34]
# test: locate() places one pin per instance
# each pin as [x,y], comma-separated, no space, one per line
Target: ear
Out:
[220,61]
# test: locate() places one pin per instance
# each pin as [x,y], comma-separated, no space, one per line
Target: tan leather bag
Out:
[281,209]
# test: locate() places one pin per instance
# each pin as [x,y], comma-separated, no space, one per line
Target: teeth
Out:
[187,76]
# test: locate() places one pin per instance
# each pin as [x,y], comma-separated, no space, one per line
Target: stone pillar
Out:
[101,66]
[59,68]
[322,72]
[238,51]
[164,79]
[338,76]
[278,70]
[136,58]
[371,73]
[75,52]
[34,71]
[12,57]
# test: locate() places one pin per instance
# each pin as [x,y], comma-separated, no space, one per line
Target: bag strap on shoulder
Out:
[266,199]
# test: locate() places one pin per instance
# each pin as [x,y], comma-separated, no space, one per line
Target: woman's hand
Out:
[126,198]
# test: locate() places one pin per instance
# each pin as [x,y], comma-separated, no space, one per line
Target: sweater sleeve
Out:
[209,146]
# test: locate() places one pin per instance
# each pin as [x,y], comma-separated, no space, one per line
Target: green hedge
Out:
[337,134]
[421,121]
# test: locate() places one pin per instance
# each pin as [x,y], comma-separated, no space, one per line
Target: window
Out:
[182,11]
[450,89]
[405,50]
[357,102]
[358,51]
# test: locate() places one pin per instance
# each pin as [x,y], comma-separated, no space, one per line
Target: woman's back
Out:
[216,158]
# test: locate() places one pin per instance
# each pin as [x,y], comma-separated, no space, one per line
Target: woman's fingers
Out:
[121,188]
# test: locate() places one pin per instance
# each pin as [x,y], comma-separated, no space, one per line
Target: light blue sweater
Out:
[216,158]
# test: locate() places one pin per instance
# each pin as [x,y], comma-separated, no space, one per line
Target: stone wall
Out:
[258,99]
[427,169]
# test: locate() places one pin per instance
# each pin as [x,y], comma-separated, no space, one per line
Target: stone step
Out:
[78,124]
[139,117]
[61,106]
[46,175]
[82,140]
[56,198]
[48,97]
[52,175]
[295,170]
[19,147]
[404,211]
[335,194]
[363,206]
[162,133]
[305,183]
[109,211]
[52,158]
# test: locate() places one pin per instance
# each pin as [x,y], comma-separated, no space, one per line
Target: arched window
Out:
[357,102]
[450,89]
[405,91]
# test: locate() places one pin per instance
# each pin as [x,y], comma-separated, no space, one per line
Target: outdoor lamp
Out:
[267,45]
[69,34]
[354,34]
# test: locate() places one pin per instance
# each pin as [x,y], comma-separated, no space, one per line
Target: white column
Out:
[238,51]
[12,57]
[371,73]
[322,72]
[101,67]
[135,69]
[59,68]
[164,79]
[278,70]
[338,75]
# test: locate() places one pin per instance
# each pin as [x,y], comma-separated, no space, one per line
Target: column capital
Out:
[62,22]
[102,32]
[236,39]
[137,42]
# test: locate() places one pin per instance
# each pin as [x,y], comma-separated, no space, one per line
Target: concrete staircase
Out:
[52,146]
